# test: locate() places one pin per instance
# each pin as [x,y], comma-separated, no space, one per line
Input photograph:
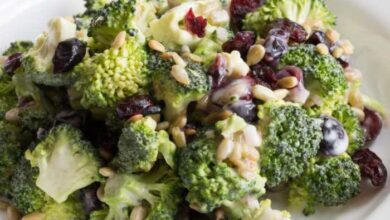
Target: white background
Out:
[365,22]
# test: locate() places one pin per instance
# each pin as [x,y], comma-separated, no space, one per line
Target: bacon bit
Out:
[195,25]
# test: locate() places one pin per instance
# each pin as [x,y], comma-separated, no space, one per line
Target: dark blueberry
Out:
[90,199]
[239,8]
[12,63]
[296,32]
[263,75]
[245,109]
[372,125]
[76,118]
[371,166]
[68,54]
[241,42]
[335,139]
[317,37]
[276,44]
[344,61]
[135,105]
[217,71]
[155,109]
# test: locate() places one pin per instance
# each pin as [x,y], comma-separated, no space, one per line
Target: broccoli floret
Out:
[38,61]
[210,181]
[311,13]
[71,209]
[107,77]
[139,146]
[26,196]
[323,75]
[330,181]
[175,95]
[159,189]
[92,6]
[66,162]
[132,16]
[208,48]
[348,118]
[8,97]
[99,214]
[250,208]
[291,139]
[10,153]
[18,47]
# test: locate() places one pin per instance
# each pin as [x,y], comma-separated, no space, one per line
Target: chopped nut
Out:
[251,153]
[353,75]
[203,102]
[359,113]
[288,82]
[255,54]
[332,35]
[106,171]
[190,131]
[135,118]
[100,192]
[34,216]
[162,125]
[12,115]
[181,121]
[180,74]
[225,148]
[281,94]
[156,117]
[347,47]
[119,40]
[12,213]
[138,213]
[263,93]
[178,60]
[322,49]
[356,99]
[157,46]
[185,49]
[337,52]
[179,137]
[193,57]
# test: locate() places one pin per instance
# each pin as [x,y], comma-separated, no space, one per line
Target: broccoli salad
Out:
[180,109]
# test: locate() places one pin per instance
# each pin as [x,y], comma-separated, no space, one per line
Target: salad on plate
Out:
[179,109]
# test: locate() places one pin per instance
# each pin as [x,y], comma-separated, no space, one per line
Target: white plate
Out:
[365,23]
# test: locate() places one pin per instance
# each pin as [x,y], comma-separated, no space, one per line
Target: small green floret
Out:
[175,95]
[311,13]
[323,75]
[139,146]
[291,139]
[18,47]
[348,118]
[64,150]
[211,182]
[107,77]
[329,182]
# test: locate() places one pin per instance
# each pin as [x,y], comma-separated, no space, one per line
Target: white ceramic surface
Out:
[365,23]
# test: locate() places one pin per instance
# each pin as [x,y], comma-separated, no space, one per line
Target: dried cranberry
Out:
[139,104]
[296,32]
[245,109]
[241,42]
[372,125]
[68,54]
[217,71]
[12,63]
[318,37]
[89,198]
[195,25]
[276,44]
[239,8]
[76,118]
[264,75]
[371,166]
[290,71]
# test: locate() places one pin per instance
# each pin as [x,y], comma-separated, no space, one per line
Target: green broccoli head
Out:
[177,96]
[159,189]
[8,97]
[66,162]
[72,208]
[291,139]
[350,121]
[92,6]
[18,47]
[107,77]
[139,146]
[210,181]
[330,181]
[26,196]
[37,63]
[208,47]
[250,208]
[323,75]
[311,13]
[10,153]
[132,16]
